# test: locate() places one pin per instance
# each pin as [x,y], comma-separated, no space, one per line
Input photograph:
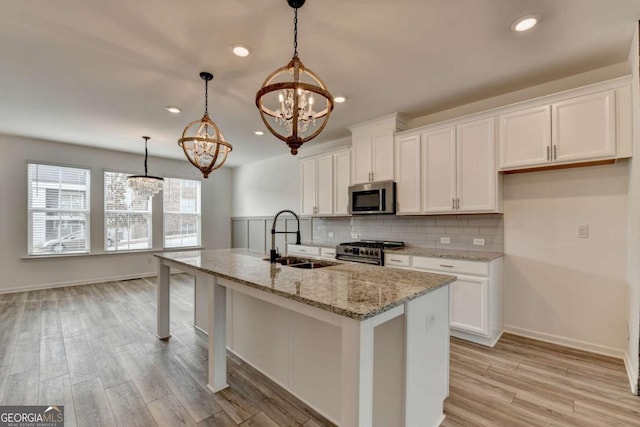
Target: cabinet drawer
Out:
[328,252]
[303,250]
[452,266]
[392,260]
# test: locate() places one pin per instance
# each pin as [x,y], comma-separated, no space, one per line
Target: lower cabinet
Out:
[475,298]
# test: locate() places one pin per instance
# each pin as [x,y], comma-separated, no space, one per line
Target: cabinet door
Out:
[438,170]
[585,127]
[476,169]
[383,156]
[361,159]
[324,185]
[468,304]
[525,137]
[408,177]
[308,186]
[342,179]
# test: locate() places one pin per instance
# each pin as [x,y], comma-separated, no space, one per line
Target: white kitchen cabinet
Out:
[448,170]
[476,173]
[373,158]
[408,176]
[301,250]
[341,181]
[525,137]
[373,149]
[584,128]
[317,185]
[475,297]
[580,126]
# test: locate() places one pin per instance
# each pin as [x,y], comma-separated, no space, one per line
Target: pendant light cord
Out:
[295,33]
[146,139]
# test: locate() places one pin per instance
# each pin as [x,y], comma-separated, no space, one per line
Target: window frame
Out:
[166,213]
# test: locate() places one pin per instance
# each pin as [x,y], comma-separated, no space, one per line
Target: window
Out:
[181,213]
[58,209]
[127,216]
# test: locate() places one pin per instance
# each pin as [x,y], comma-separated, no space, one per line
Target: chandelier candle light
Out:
[145,185]
[289,108]
[202,141]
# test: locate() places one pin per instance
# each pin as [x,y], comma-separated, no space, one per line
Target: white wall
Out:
[557,286]
[20,273]
[633,258]
[267,186]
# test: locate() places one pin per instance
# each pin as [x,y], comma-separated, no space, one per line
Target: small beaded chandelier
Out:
[145,185]
[202,141]
[290,108]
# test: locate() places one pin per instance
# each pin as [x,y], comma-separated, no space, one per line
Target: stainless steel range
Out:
[367,251]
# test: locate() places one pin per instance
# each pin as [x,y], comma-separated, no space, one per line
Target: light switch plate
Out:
[445,240]
[354,235]
[331,234]
[478,242]
[583,232]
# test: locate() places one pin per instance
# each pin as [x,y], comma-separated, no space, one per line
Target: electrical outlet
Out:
[354,235]
[583,232]
[331,234]
[445,240]
[478,242]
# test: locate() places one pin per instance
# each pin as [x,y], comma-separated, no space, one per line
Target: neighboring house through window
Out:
[58,209]
[181,213]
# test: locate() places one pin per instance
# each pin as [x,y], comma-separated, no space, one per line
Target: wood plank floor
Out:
[93,349]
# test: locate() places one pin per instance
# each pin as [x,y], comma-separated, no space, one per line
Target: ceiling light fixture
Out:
[240,50]
[259,132]
[525,23]
[173,109]
[339,99]
[202,141]
[288,107]
[145,185]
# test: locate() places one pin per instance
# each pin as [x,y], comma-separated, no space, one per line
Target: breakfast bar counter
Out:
[352,298]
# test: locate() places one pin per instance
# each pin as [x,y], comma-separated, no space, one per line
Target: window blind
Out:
[58,209]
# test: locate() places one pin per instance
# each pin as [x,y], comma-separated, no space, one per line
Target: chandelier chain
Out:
[206,97]
[146,139]
[295,33]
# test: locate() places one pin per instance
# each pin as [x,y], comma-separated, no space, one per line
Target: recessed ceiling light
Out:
[240,50]
[525,23]
[339,99]
[259,132]
[173,109]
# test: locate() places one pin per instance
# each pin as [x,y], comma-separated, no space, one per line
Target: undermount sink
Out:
[306,263]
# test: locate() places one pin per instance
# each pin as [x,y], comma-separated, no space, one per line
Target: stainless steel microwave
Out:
[373,198]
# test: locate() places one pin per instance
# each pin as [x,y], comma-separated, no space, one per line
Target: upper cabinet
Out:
[325,184]
[448,170]
[583,125]
[372,150]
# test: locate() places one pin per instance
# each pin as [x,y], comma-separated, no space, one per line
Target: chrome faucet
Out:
[273,254]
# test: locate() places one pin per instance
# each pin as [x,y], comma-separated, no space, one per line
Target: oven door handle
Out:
[358,259]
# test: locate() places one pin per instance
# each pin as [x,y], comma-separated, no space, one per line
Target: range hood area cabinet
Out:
[325,184]
[448,169]
[583,125]
[372,156]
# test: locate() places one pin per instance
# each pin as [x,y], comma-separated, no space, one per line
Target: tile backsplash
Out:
[421,231]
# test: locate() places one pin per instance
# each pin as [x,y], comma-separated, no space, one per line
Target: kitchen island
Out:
[352,299]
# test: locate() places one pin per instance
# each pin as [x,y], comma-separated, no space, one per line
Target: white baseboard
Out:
[75,283]
[567,342]
[632,373]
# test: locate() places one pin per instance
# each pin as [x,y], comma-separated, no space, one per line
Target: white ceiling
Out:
[100,73]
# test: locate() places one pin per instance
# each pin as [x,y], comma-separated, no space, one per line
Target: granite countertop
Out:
[448,253]
[358,291]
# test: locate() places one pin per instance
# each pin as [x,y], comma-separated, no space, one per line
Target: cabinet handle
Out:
[453,203]
[555,152]
[458,203]
[548,153]
[445,265]
[395,260]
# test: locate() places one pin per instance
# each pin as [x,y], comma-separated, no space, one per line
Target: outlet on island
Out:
[478,242]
